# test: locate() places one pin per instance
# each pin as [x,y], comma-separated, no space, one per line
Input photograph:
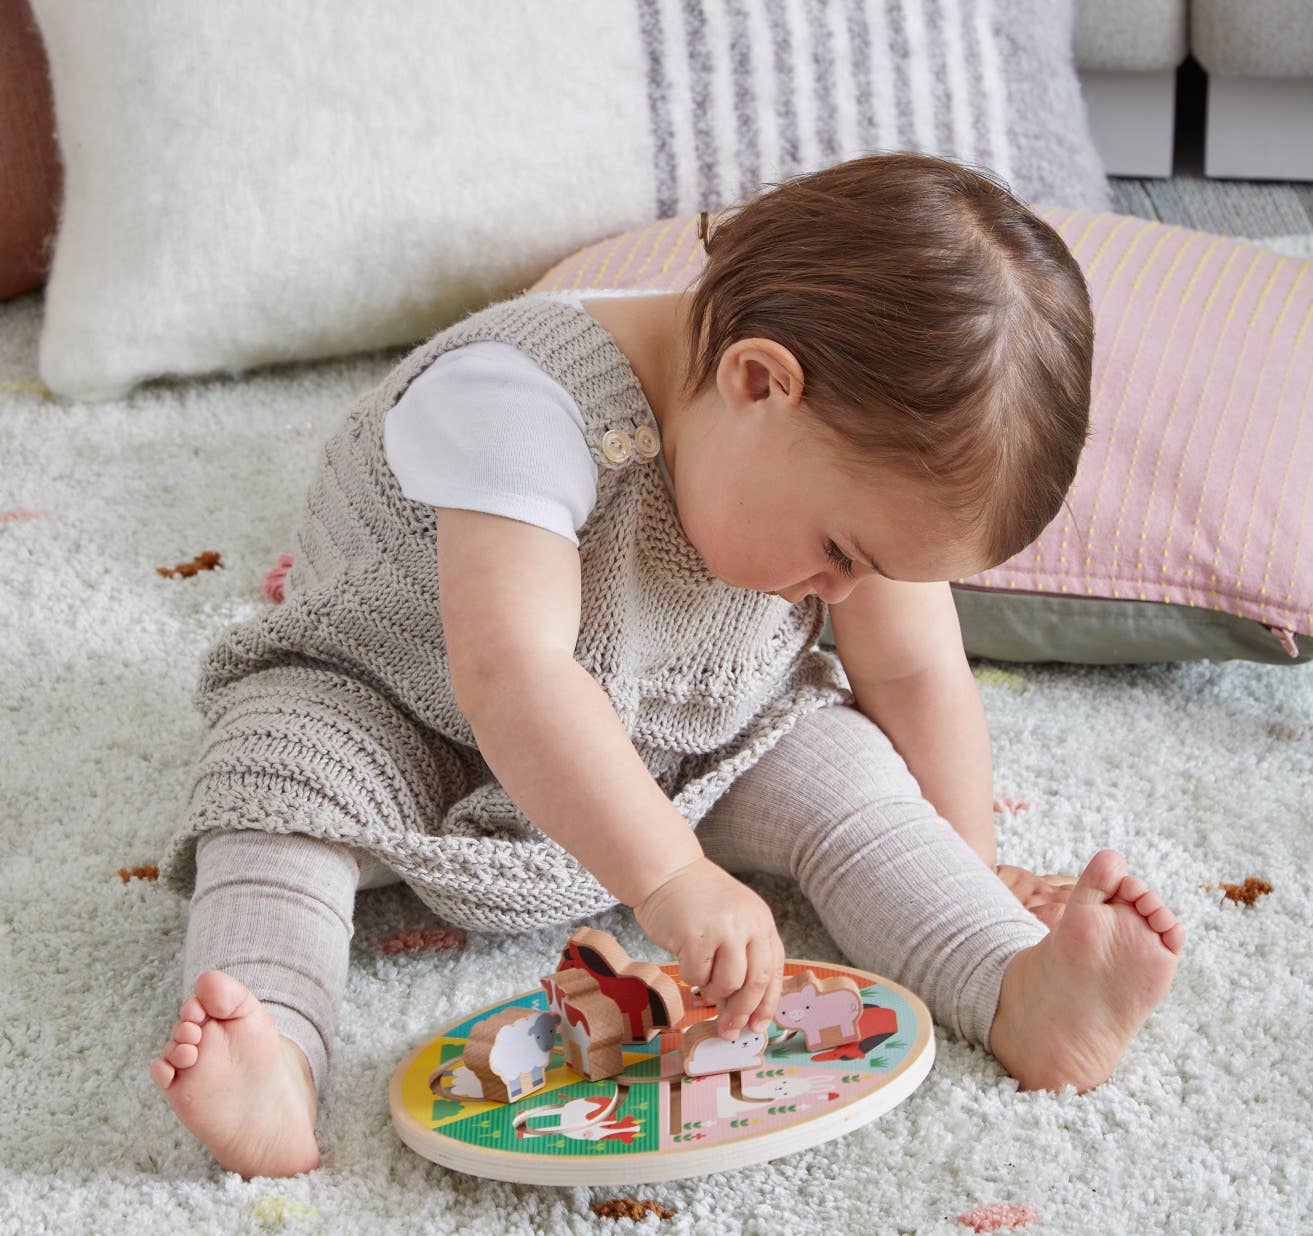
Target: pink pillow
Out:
[1193,503]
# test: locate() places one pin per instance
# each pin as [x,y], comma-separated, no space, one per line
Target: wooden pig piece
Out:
[827,1011]
[592,1025]
[646,995]
[704,1051]
[508,1052]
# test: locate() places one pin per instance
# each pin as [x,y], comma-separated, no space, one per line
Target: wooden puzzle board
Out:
[651,1123]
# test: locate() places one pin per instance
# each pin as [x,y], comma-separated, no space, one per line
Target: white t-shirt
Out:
[485,428]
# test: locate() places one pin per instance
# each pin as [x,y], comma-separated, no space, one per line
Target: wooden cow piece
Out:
[508,1052]
[827,1011]
[646,995]
[592,1025]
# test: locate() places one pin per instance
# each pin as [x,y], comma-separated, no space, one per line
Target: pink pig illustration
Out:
[827,1011]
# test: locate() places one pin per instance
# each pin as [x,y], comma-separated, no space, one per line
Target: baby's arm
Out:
[901,648]
[554,741]
[552,738]
[510,596]
[936,722]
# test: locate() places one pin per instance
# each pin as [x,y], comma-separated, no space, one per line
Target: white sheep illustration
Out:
[523,1047]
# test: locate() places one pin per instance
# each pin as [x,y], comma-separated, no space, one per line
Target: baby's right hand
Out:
[725,938]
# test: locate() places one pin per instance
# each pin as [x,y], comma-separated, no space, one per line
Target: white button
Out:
[617,445]
[645,438]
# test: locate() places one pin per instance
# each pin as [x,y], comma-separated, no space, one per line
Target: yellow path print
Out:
[990,676]
[26,388]
[276,1210]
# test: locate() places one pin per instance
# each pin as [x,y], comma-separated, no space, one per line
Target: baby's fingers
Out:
[760,968]
[727,974]
[765,1012]
[696,960]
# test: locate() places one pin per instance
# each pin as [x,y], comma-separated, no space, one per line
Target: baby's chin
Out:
[736,579]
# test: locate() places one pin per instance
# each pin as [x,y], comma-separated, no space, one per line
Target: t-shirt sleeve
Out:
[485,428]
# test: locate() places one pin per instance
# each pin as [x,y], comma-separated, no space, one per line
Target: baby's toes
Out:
[1161,919]
[1148,903]
[1131,888]
[187,1032]
[193,1010]
[162,1073]
[1174,937]
[182,1055]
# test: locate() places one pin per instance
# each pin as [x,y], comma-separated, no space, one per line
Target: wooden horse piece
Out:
[647,997]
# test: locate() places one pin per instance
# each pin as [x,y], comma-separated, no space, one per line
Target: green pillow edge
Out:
[1098,631]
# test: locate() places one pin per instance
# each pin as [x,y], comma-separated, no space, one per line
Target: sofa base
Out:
[1259,128]
[1133,120]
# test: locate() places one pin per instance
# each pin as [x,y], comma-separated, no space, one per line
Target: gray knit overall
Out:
[333,713]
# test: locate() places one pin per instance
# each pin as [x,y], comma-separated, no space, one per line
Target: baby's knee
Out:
[843,737]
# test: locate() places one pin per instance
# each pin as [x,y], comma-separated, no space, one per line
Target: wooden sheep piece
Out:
[592,1025]
[704,1051]
[508,1047]
[647,997]
[828,1011]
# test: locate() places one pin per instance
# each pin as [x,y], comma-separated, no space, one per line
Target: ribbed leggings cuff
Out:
[274,910]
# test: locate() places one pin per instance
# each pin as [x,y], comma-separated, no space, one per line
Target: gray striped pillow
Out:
[257,182]
[740,92]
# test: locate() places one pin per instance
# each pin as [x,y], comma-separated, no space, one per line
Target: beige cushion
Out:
[1254,38]
[1130,36]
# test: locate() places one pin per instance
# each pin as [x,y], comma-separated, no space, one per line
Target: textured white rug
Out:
[1199,772]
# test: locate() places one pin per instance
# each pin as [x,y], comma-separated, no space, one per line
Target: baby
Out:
[549,644]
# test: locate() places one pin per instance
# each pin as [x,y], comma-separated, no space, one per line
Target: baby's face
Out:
[763,502]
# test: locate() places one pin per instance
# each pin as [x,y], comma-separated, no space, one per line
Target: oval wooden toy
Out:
[652,1122]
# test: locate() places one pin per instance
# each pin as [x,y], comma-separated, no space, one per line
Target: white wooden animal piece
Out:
[509,1051]
[704,1051]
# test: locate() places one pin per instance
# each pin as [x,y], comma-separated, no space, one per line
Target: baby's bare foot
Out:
[237,1084]
[1071,1004]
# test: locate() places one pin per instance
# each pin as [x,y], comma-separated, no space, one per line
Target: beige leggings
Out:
[832,805]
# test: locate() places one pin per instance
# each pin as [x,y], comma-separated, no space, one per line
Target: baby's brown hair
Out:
[943,328]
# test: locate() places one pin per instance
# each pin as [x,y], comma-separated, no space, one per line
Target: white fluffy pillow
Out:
[249,182]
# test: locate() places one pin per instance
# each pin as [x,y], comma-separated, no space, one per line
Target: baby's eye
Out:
[839,558]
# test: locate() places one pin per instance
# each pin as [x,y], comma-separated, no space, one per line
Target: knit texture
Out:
[333,714]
